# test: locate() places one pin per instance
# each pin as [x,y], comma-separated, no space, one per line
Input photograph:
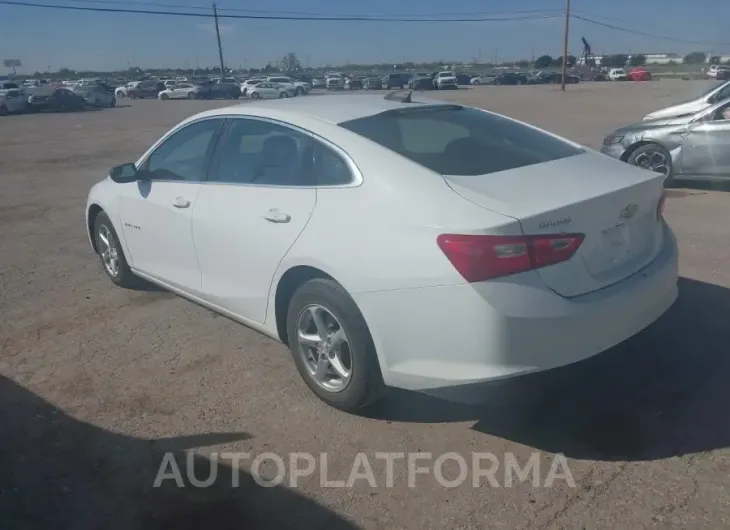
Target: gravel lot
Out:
[97,383]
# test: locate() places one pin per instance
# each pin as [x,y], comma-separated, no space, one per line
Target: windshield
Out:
[454,140]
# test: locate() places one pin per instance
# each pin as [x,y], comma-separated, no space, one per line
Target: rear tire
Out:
[164,97]
[110,252]
[191,95]
[365,384]
[255,95]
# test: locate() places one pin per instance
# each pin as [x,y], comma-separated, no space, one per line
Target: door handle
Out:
[275,216]
[181,202]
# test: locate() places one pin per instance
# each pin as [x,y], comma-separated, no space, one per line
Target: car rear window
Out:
[455,140]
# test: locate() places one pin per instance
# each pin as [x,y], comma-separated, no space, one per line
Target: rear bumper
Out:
[447,336]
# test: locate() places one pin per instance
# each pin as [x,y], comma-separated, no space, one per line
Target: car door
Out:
[270,90]
[180,91]
[706,147]
[156,213]
[257,201]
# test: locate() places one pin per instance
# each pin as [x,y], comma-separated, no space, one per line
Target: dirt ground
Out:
[97,383]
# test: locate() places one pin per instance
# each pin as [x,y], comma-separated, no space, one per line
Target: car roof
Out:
[332,109]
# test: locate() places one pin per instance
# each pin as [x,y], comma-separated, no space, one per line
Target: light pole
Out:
[565,44]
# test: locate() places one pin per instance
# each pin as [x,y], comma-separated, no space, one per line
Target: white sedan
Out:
[180,91]
[391,243]
[268,90]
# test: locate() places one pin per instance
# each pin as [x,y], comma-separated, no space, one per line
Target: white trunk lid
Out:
[612,203]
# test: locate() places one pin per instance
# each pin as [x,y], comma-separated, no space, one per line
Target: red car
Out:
[639,74]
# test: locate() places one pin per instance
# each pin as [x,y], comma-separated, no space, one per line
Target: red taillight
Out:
[660,206]
[480,257]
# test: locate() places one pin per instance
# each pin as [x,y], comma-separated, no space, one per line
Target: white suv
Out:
[287,82]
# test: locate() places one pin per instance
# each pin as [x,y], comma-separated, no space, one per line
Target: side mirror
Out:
[125,173]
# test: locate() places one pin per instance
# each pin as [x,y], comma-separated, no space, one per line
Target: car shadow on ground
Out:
[663,393]
[61,473]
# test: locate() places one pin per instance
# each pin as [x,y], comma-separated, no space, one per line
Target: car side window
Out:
[268,154]
[723,94]
[330,168]
[182,157]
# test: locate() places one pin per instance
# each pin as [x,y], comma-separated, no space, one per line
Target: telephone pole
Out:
[565,44]
[218,35]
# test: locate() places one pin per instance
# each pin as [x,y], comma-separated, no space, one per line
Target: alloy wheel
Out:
[324,348]
[654,161]
[108,251]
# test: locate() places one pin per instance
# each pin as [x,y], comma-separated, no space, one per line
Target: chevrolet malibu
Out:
[393,243]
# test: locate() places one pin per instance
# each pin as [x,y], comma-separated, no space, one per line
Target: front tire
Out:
[191,95]
[255,95]
[164,97]
[111,255]
[653,157]
[332,346]
[300,91]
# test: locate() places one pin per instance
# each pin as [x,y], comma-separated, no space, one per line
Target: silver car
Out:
[715,94]
[96,95]
[695,146]
[271,90]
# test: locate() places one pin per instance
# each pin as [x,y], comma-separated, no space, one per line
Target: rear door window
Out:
[455,140]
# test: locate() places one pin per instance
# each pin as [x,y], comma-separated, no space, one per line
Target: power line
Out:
[290,15]
[322,14]
[653,36]
[272,17]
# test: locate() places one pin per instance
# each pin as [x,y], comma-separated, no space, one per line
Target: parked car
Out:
[445,80]
[123,91]
[483,79]
[96,95]
[219,89]
[617,74]
[354,83]
[145,89]
[373,83]
[578,264]
[510,78]
[335,82]
[421,81]
[694,146]
[248,83]
[638,74]
[552,78]
[714,70]
[463,79]
[10,85]
[392,81]
[267,90]
[319,82]
[723,74]
[12,101]
[61,99]
[180,91]
[714,95]
[300,87]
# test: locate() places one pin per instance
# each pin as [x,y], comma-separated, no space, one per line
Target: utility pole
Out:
[565,44]
[218,35]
